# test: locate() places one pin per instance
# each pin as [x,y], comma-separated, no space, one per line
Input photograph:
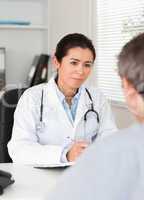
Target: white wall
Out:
[67,17]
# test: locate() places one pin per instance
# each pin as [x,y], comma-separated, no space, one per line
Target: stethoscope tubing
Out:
[85,115]
[41,107]
[92,108]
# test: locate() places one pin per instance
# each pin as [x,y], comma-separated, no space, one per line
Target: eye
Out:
[88,65]
[74,62]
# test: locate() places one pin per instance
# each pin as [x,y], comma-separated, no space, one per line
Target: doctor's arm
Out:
[24,146]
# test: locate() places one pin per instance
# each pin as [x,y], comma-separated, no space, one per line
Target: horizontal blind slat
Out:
[116,24]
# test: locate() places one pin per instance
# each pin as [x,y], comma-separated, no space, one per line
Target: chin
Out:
[76,84]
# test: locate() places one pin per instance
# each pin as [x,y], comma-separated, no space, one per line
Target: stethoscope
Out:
[91,109]
[85,115]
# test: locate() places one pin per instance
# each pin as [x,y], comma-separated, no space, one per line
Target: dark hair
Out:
[131,62]
[71,41]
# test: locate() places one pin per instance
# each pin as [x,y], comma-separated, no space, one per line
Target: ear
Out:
[128,88]
[134,99]
[131,95]
[55,62]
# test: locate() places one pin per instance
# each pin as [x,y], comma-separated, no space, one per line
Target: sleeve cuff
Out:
[65,150]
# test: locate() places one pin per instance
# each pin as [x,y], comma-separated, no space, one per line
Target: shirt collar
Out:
[62,97]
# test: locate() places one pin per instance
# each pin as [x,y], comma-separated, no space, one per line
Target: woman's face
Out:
[75,67]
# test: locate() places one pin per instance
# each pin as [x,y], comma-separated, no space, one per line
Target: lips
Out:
[78,79]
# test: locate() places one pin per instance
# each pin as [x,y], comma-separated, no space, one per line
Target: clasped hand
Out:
[76,150]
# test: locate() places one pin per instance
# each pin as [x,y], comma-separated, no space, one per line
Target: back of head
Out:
[73,40]
[131,63]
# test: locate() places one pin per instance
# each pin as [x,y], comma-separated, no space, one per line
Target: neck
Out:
[68,92]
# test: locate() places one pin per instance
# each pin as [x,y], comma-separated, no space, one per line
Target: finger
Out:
[83,145]
[83,142]
[79,152]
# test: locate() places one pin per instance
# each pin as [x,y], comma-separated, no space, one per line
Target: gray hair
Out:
[131,62]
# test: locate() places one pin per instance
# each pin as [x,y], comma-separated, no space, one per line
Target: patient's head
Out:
[131,70]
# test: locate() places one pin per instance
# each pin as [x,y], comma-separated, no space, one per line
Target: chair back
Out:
[8,103]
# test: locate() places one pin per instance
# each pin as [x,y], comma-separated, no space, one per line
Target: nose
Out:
[80,69]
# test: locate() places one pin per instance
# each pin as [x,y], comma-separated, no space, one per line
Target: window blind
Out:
[116,23]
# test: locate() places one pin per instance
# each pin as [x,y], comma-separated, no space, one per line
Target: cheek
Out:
[87,71]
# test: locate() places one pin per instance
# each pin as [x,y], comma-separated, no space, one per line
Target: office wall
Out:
[67,17]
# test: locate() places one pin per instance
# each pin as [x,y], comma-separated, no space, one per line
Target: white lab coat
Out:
[30,145]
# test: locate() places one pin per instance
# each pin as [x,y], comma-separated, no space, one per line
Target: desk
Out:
[30,183]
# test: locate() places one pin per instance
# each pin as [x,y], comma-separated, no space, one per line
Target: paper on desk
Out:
[46,165]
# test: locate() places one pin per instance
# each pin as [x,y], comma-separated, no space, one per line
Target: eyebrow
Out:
[75,59]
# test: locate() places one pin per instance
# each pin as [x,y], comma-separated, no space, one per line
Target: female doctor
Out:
[56,121]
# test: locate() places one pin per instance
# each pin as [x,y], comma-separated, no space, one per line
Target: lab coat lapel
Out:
[55,104]
[83,106]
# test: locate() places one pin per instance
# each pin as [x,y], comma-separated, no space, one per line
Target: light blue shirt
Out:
[70,110]
[71,113]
